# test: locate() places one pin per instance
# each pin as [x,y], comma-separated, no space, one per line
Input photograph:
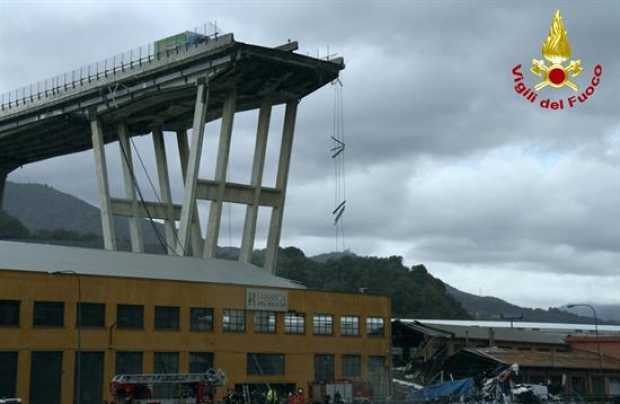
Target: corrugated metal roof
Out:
[85,261]
[571,359]
[482,333]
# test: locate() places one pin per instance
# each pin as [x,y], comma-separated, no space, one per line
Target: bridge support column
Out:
[135,222]
[221,169]
[107,220]
[197,242]
[193,164]
[284,163]
[258,165]
[164,188]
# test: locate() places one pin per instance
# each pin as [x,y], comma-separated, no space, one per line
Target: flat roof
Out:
[29,257]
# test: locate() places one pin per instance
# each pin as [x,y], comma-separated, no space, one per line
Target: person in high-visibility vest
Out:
[272,396]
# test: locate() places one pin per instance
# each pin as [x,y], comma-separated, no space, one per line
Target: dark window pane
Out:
[9,313]
[350,325]
[49,314]
[324,368]
[323,324]
[200,362]
[166,362]
[166,318]
[260,364]
[201,319]
[351,365]
[91,315]
[45,377]
[130,316]
[234,320]
[265,321]
[375,326]
[598,385]
[294,323]
[89,377]
[129,363]
[8,374]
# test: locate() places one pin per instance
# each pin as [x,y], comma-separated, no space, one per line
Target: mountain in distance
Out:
[40,213]
[608,312]
[50,213]
[492,308]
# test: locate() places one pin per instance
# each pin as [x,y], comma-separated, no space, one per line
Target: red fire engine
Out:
[167,388]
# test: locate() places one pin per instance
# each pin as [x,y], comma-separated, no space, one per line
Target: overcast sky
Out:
[446,165]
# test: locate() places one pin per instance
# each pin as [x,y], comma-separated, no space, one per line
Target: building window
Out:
[234,320]
[201,319]
[166,318]
[294,323]
[324,368]
[265,321]
[130,316]
[91,315]
[323,324]
[375,326]
[89,380]
[350,325]
[8,374]
[9,313]
[45,377]
[129,363]
[351,366]
[200,362]
[166,362]
[49,314]
[261,364]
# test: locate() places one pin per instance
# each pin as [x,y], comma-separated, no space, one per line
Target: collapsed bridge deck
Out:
[158,93]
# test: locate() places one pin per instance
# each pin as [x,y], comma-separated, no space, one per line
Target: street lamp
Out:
[78,325]
[598,341]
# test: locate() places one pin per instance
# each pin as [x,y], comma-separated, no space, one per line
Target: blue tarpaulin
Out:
[457,388]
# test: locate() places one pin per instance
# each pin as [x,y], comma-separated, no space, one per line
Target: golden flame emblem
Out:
[556,50]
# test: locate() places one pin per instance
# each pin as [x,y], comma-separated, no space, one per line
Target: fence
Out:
[109,67]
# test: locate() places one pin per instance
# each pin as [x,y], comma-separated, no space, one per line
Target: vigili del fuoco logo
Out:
[556,74]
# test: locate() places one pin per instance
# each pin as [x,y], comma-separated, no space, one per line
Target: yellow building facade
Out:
[157,315]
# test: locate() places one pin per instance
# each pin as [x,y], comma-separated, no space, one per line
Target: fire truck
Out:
[167,388]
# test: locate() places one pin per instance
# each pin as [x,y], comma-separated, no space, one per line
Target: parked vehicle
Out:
[162,388]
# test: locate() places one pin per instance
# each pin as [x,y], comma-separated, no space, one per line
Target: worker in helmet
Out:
[272,396]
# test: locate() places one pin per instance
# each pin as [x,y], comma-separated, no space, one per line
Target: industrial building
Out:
[142,313]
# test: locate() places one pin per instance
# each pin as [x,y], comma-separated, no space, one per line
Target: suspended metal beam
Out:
[107,221]
[193,164]
[284,163]
[221,169]
[135,222]
[258,166]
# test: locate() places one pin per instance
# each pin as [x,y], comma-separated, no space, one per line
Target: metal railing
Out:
[104,69]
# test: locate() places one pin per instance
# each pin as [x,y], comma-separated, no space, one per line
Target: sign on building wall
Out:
[266,299]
